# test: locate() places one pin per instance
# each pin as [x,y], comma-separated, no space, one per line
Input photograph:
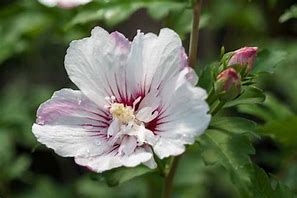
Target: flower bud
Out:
[244,56]
[228,84]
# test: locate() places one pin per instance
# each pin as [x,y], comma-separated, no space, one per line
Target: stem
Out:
[194,34]
[168,181]
[217,108]
[211,97]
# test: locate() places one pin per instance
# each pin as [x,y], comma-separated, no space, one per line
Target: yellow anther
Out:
[124,114]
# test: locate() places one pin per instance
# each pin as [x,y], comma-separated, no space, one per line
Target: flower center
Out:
[122,113]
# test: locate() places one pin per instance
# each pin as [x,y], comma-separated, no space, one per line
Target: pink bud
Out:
[244,56]
[228,84]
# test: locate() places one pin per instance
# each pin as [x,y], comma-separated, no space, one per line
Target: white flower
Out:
[64,3]
[135,97]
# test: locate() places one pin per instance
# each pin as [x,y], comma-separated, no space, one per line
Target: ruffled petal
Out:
[184,116]
[114,159]
[154,59]
[97,65]
[72,125]
[191,75]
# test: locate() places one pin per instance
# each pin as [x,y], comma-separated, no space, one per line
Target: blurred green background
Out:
[33,42]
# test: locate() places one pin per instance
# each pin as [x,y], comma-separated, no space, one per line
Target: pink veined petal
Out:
[153,59]
[97,65]
[72,125]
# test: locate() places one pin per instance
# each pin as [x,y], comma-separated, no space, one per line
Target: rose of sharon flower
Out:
[64,3]
[135,98]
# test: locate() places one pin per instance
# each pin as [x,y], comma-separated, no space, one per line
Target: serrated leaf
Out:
[232,152]
[262,187]
[120,175]
[233,124]
[250,95]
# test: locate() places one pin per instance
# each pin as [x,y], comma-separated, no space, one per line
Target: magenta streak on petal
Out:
[95,126]
[101,116]
[126,90]
[98,134]
[119,91]
[153,125]
[114,148]
[97,120]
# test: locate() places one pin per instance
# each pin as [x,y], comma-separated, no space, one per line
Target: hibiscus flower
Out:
[136,99]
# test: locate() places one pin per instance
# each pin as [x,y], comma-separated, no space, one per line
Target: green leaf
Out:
[250,95]
[262,187]
[114,12]
[271,109]
[233,124]
[161,9]
[17,25]
[283,130]
[120,175]
[19,166]
[289,14]
[267,60]
[232,152]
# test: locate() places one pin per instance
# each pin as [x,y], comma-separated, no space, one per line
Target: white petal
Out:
[96,65]
[114,127]
[184,118]
[113,160]
[128,145]
[154,59]
[71,124]
[146,136]
[70,141]
[150,163]
[151,99]
[146,114]
[191,75]
[166,147]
